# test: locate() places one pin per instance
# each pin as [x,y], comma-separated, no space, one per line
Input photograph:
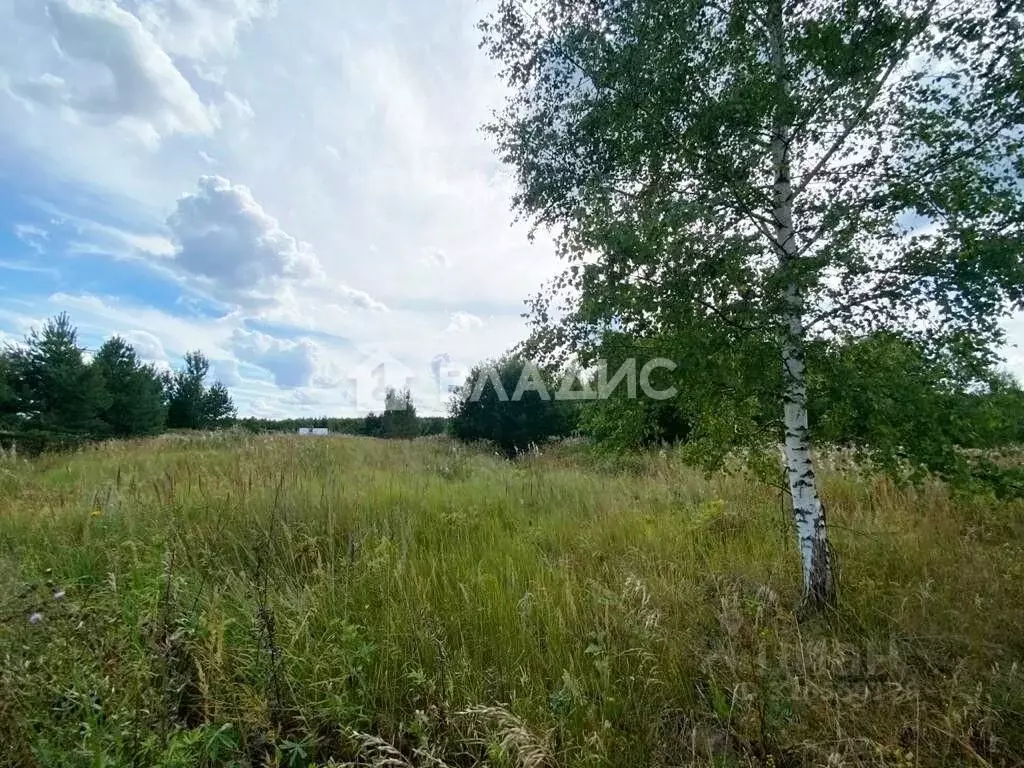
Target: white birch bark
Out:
[808,513]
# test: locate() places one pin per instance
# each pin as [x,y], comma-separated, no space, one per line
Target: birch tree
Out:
[767,172]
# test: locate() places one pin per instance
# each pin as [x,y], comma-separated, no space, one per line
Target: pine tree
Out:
[59,392]
[137,405]
[190,404]
[217,407]
[10,403]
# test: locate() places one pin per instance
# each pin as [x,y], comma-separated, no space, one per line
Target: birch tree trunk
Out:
[808,513]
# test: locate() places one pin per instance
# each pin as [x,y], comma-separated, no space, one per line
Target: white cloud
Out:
[224,237]
[30,231]
[33,236]
[110,68]
[356,298]
[148,346]
[200,28]
[233,108]
[292,363]
[463,321]
[226,372]
[354,129]
[102,317]
[120,243]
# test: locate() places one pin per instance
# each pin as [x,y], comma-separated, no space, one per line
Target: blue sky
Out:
[299,188]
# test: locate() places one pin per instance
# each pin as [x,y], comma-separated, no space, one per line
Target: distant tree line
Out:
[52,394]
[883,395]
[398,419]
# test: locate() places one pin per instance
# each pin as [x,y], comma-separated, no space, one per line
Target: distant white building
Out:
[314,431]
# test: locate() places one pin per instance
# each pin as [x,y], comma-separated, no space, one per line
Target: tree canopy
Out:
[762,174]
[192,403]
[54,393]
[137,400]
[511,404]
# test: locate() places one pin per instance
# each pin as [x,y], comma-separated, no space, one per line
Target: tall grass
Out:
[236,601]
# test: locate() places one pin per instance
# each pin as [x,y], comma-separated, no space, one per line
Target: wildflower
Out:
[35,618]
[59,594]
[97,512]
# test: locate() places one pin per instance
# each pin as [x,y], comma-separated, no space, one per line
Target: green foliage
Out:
[885,396]
[398,420]
[995,414]
[725,393]
[487,407]
[193,405]
[10,403]
[57,390]
[217,407]
[136,392]
[655,138]
[53,398]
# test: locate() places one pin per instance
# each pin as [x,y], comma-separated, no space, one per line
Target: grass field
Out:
[237,601]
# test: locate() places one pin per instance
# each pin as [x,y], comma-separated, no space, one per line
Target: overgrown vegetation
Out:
[813,212]
[229,600]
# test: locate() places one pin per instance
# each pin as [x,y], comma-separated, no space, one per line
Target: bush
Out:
[511,404]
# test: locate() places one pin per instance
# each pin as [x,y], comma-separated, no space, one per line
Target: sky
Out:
[299,188]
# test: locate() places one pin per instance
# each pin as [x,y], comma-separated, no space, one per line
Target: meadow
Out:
[232,600]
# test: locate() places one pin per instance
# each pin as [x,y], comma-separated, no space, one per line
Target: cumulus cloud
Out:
[148,346]
[139,85]
[224,237]
[463,321]
[200,28]
[356,298]
[292,363]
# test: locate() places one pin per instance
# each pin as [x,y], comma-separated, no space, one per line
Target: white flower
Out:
[59,594]
[35,618]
